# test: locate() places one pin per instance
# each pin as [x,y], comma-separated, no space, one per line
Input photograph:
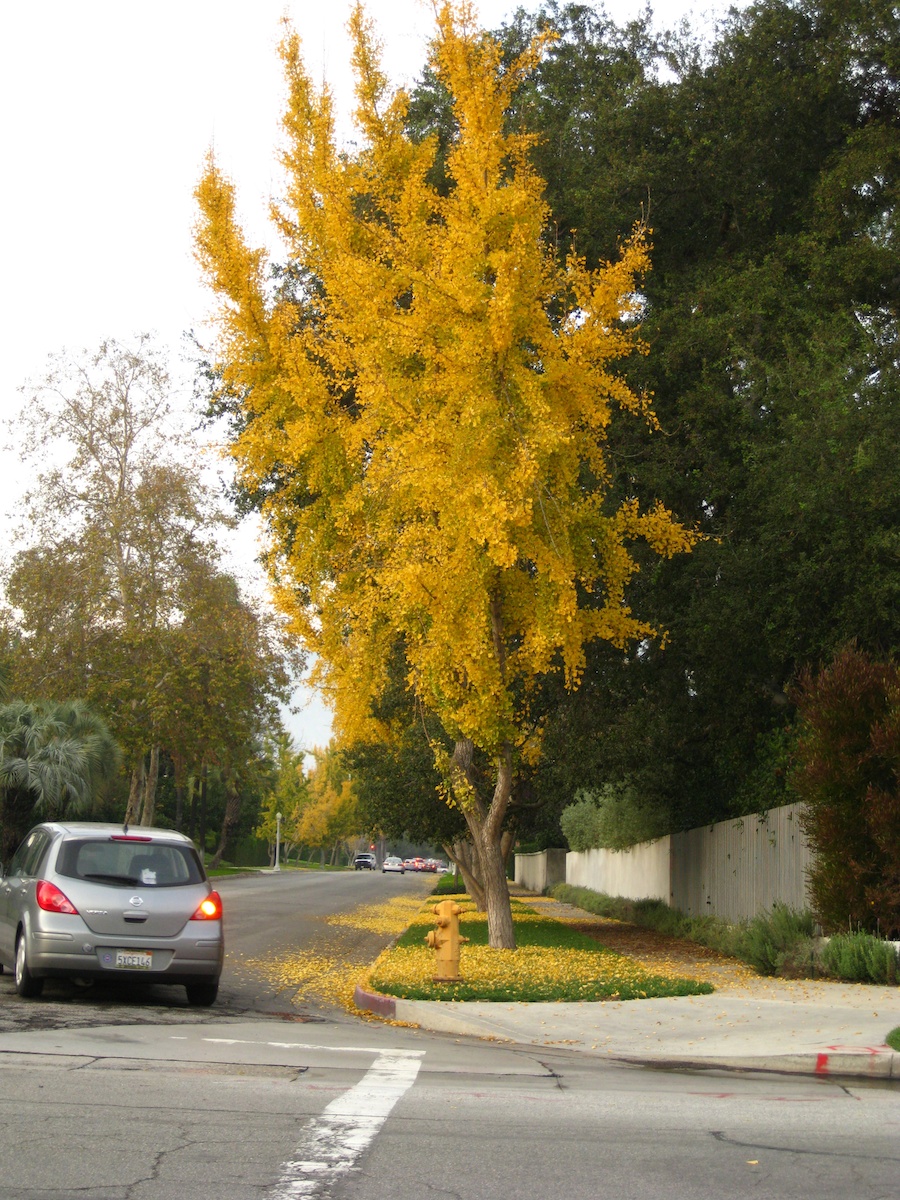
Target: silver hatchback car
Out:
[103,902]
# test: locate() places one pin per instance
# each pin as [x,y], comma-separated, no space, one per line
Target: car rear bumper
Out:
[50,956]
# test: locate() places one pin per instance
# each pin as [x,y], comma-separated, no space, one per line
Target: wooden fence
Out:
[734,869]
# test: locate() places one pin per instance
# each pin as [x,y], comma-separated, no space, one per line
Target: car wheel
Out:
[26,984]
[202,995]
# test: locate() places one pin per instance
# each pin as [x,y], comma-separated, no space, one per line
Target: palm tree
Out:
[55,759]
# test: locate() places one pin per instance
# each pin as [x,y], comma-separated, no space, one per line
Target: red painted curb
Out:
[382,1006]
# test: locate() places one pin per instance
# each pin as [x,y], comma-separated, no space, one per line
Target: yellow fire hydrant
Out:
[445,941]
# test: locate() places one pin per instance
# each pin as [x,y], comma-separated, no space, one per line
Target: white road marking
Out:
[332,1143]
[311,1046]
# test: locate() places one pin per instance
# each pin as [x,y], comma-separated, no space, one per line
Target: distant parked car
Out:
[392,863]
[365,862]
[90,901]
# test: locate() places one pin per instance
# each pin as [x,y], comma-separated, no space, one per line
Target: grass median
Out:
[552,962]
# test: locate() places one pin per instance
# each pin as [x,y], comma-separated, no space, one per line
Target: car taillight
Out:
[209,909]
[51,899]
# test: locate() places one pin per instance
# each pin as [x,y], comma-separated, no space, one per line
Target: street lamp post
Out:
[278,841]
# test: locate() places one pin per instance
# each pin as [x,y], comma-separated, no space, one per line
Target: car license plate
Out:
[135,960]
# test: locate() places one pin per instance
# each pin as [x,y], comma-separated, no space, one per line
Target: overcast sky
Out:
[109,107]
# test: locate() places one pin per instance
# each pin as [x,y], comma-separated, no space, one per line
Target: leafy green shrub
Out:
[861,958]
[779,942]
[654,914]
[544,841]
[847,773]
[610,818]
[782,938]
[893,1039]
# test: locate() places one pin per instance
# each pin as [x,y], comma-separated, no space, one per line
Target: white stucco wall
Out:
[537,872]
[639,873]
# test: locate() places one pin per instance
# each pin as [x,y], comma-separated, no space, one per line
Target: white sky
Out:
[109,107]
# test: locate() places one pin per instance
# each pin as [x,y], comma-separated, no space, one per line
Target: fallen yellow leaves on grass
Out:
[409,966]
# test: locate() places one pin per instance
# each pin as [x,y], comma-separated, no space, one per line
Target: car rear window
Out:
[122,863]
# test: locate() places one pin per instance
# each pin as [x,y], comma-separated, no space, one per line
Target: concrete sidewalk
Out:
[749,1023]
[810,1028]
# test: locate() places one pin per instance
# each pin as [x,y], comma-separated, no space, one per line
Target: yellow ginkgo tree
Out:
[424,397]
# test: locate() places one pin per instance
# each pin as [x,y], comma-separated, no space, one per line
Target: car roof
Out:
[110,829]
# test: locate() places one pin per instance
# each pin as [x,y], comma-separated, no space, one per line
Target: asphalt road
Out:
[265,915]
[269,915]
[136,1098]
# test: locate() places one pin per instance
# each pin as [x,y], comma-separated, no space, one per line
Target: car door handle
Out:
[135,918]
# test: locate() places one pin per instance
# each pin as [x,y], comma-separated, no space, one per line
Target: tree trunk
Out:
[193,788]
[485,824]
[201,832]
[178,764]
[150,783]
[464,858]
[231,818]
[501,932]
[136,791]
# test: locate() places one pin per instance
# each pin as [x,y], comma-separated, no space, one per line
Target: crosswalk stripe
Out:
[332,1143]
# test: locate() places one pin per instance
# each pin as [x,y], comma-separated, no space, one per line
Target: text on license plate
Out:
[135,960]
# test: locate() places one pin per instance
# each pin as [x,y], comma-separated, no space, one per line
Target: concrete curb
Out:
[880,1065]
[375,1002]
[874,1062]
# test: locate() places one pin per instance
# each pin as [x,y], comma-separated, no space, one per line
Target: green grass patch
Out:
[893,1039]
[447,885]
[552,961]
[225,869]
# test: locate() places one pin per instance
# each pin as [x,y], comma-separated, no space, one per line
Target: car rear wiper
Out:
[127,879]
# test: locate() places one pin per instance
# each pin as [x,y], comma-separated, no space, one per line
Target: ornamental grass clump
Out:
[551,962]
